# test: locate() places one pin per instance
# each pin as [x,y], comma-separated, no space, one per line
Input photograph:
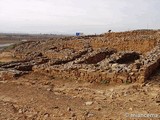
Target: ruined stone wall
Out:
[111,58]
[94,72]
[138,44]
[151,62]
[108,70]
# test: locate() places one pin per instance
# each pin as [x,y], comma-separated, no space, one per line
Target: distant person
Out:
[109,31]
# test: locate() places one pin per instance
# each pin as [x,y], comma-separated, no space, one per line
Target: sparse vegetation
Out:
[105,81]
[10,47]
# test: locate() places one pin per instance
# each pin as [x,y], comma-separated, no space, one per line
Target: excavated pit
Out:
[74,57]
[96,58]
[128,58]
[155,71]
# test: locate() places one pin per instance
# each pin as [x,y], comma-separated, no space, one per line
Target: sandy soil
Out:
[7,57]
[38,97]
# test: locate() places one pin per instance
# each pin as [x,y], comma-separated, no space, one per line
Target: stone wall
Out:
[123,57]
[117,67]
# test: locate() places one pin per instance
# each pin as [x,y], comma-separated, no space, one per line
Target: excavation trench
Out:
[96,58]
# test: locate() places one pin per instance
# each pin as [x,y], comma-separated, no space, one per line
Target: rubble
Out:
[10,74]
[89,103]
[110,58]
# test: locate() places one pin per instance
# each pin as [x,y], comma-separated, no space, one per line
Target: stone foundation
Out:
[123,57]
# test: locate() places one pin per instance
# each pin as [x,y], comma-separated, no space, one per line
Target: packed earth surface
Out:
[97,77]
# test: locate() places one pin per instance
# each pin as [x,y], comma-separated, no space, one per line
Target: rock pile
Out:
[16,69]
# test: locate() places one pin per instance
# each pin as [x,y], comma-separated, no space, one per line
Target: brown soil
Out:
[39,97]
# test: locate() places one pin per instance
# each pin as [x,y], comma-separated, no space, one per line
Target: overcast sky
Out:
[70,16]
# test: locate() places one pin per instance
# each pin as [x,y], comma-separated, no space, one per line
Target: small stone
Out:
[46,115]
[62,114]
[69,109]
[74,96]
[49,89]
[132,73]
[73,115]
[31,114]
[20,111]
[98,108]
[112,96]
[114,65]
[89,103]
[55,107]
[101,92]
[88,114]
[111,89]
[33,82]
[158,98]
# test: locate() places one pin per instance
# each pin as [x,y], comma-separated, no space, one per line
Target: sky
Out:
[71,16]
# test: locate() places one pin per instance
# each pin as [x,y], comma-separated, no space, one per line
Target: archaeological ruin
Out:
[122,57]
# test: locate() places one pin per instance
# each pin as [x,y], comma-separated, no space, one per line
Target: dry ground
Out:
[38,97]
[7,57]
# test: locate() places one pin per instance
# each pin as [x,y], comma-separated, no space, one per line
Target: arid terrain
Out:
[98,77]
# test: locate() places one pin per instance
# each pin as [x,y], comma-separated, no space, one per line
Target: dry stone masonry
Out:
[123,57]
